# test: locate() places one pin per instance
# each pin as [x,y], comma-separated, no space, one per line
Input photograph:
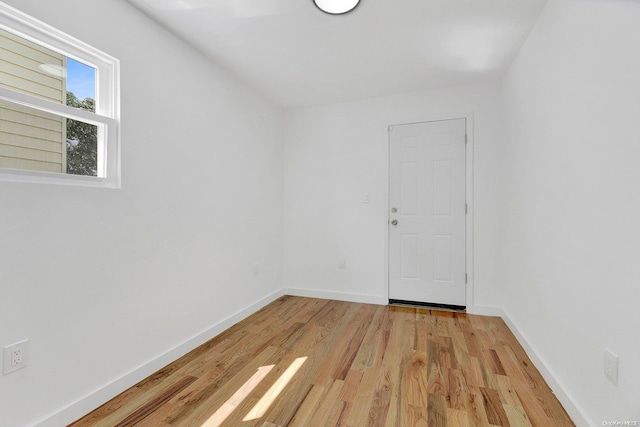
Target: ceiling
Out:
[298,56]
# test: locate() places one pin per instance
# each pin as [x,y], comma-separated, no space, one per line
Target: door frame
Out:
[469,294]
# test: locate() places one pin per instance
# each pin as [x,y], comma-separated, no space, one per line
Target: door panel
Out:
[427,189]
[409,256]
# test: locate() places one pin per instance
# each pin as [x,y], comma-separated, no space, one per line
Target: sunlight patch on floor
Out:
[270,396]
[230,405]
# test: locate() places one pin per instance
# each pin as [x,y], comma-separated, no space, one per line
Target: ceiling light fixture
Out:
[336,7]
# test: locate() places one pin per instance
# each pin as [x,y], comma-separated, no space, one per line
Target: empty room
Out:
[320,213]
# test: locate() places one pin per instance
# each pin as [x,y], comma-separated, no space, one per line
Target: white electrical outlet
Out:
[611,366]
[15,356]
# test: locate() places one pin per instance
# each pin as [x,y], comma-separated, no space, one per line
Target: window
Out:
[59,106]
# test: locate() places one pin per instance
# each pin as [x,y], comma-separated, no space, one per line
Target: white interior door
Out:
[427,202]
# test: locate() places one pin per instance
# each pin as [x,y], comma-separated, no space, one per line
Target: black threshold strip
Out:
[427,304]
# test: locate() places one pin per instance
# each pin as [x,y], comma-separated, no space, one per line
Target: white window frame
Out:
[106,117]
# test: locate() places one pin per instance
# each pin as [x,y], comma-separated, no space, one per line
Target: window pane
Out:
[81,85]
[30,139]
[82,148]
[37,141]
[30,68]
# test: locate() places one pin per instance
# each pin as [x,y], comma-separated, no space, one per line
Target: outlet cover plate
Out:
[15,356]
[611,366]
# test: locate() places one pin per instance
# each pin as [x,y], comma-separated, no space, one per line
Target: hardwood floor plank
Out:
[475,411]
[516,415]
[457,391]
[457,418]
[369,350]
[435,374]
[309,404]
[345,348]
[493,408]
[399,349]
[484,377]
[460,348]
[313,362]
[148,408]
[414,380]
[447,353]
[493,362]
[437,411]
[363,400]
[330,406]
[379,409]
[470,381]
[351,386]
[417,416]
[508,395]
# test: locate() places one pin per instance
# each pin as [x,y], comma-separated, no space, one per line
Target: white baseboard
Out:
[486,311]
[98,397]
[574,410]
[340,296]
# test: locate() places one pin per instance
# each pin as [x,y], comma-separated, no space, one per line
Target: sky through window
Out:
[81,79]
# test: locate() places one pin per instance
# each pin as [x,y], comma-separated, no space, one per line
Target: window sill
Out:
[35,177]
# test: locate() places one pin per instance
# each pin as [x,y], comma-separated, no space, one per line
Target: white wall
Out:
[572,104]
[131,273]
[336,154]
[126,275]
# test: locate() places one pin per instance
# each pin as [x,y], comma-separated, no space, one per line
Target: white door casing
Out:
[427,232]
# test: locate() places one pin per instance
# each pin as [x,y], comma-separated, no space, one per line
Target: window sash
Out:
[106,117]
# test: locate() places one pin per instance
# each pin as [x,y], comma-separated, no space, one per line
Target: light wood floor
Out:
[313,362]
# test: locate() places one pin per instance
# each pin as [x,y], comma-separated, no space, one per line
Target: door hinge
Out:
[465,278]
[465,138]
[466,208]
